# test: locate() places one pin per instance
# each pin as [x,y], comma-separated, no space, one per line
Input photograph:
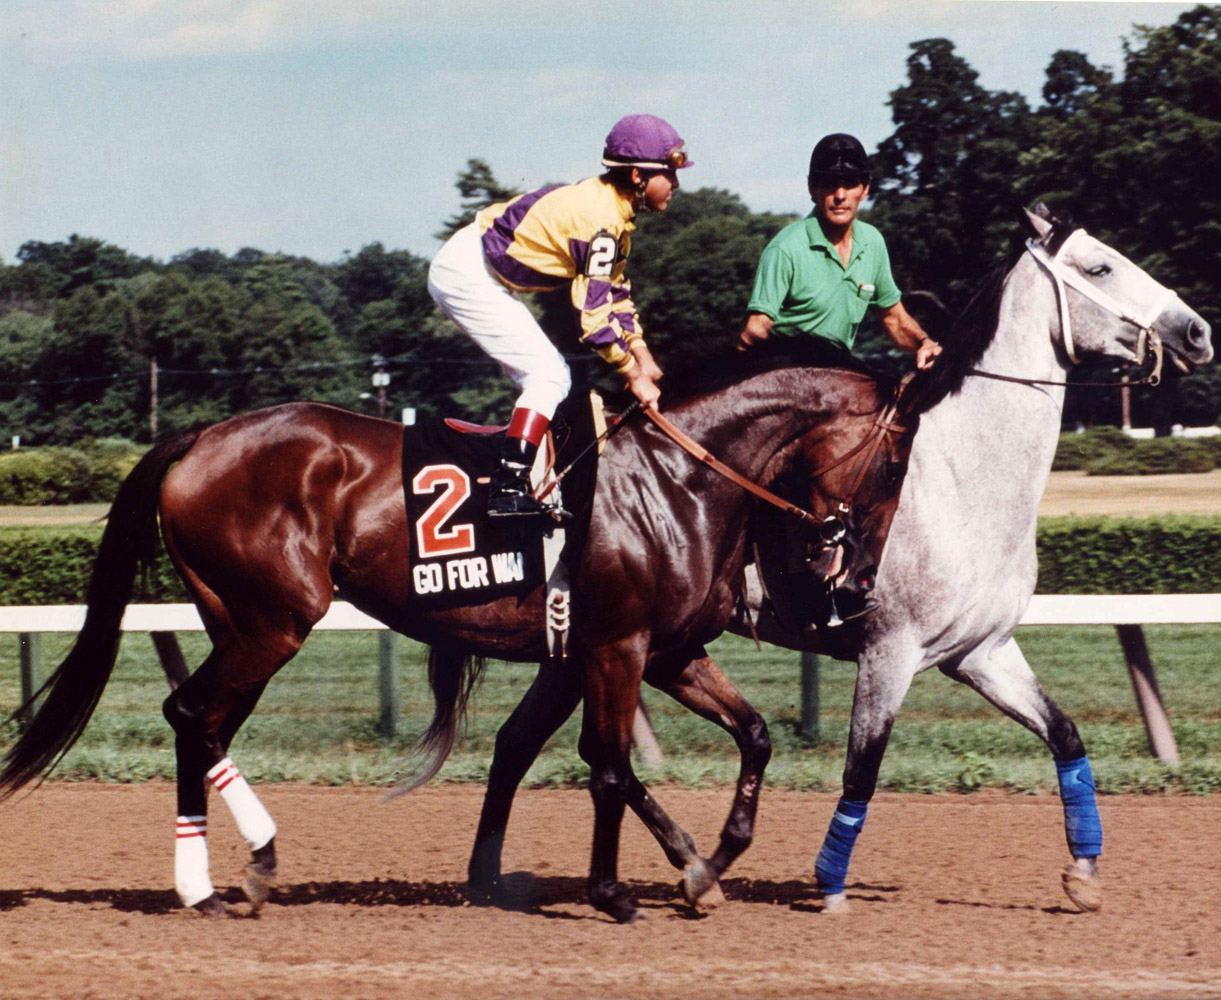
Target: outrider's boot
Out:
[509,495]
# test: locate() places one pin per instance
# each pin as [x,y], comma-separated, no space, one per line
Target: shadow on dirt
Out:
[516,891]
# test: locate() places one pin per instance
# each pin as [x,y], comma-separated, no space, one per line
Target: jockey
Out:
[576,235]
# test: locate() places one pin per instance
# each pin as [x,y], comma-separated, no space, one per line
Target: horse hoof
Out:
[700,887]
[257,887]
[836,903]
[213,906]
[617,904]
[1083,886]
[260,875]
[510,891]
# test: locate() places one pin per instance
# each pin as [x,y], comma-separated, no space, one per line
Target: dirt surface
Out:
[1132,496]
[951,896]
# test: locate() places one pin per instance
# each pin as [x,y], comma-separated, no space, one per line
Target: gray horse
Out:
[960,566]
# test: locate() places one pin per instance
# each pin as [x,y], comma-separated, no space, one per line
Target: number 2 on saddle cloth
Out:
[460,558]
[855,486]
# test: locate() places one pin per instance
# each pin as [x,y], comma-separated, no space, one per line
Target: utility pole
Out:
[152,400]
[381,379]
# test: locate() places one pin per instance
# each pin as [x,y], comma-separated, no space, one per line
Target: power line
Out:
[313,366]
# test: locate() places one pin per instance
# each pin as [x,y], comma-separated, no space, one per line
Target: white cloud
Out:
[142,30]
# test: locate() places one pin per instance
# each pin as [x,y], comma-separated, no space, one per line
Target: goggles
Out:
[675,159]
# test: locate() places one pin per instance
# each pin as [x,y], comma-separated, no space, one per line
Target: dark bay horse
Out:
[267,516]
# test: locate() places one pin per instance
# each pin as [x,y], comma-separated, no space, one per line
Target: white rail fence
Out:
[1127,612]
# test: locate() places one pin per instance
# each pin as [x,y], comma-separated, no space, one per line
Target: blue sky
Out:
[315,127]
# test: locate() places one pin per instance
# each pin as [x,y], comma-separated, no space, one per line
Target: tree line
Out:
[96,342]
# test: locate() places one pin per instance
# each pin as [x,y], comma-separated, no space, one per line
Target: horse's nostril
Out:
[1199,333]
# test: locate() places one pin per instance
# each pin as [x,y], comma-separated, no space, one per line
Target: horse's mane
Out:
[964,341]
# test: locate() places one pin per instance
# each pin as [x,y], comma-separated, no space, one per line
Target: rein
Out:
[1148,342]
[702,454]
[869,445]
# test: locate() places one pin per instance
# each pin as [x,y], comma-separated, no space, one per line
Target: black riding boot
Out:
[509,489]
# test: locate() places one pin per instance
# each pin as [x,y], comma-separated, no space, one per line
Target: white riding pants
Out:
[466,290]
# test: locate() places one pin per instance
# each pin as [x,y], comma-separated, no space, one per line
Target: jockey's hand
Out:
[644,358]
[643,387]
[926,352]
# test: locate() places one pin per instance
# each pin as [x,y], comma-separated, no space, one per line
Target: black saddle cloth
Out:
[458,557]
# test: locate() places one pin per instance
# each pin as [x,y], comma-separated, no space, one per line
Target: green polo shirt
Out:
[802,284]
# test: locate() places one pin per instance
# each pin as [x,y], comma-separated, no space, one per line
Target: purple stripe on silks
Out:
[620,292]
[626,321]
[597,295]
[522,275]
[604,337]
[499,237]
[579,250]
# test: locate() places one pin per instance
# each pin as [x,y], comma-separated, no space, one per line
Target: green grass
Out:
[317,720]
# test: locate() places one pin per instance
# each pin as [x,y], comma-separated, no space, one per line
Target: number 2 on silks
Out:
[600,261]
[433,537]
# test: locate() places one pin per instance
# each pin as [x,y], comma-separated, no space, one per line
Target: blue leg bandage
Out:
[831,868]
[1082,827]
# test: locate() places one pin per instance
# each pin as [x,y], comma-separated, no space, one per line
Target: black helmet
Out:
[839,156]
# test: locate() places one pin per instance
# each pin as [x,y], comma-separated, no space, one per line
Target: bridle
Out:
[831,528]
[1148,341]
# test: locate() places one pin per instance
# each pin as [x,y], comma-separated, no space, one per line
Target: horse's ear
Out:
[1037,220]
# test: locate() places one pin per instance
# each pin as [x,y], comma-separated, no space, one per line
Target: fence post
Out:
[388,683]
[644,739]
[1148,697]
[31,674]
[170,655]
[809,697]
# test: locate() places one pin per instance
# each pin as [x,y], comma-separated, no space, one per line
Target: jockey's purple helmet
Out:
[644,141]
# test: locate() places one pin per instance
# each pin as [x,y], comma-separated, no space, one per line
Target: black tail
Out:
[73,691]
[453,675]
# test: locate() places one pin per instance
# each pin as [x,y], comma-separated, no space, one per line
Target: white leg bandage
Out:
[191,877]
[254,823]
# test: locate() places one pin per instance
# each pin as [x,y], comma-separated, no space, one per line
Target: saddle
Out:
[459,557]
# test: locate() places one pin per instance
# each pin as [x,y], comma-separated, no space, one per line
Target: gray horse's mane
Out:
[964,341]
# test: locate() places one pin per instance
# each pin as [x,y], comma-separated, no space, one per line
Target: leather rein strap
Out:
[869,445]
[702,454]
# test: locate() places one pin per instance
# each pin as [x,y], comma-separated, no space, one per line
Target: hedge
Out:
[1077,555]
[1110,555]
[1108,451]
[88,473]
[53,565]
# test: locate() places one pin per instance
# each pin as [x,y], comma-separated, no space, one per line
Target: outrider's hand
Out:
[926,352]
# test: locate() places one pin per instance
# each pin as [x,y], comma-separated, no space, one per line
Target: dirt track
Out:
[951,897]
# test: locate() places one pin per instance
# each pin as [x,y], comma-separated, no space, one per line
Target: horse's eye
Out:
[1099,271]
